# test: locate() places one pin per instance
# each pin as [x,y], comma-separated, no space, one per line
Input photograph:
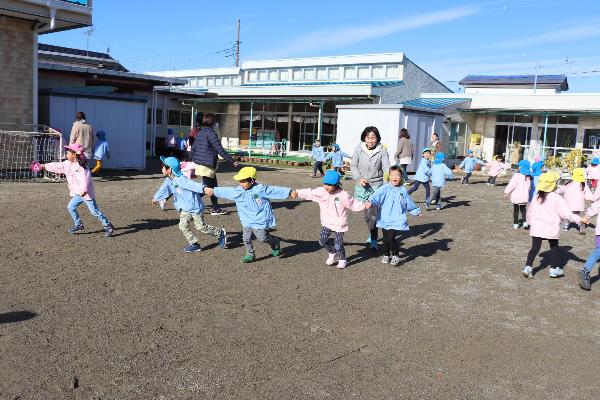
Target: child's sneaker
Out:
[218,211]
[342,264]
[162,204]
[462,180]
[192,248]
[426,205]
[108,230]
[556,272]
[525,225]
[527,272]
[373,244]
[439,206]
[276,251]
[330,259]
[515,226]
[584,279]
[75,228]
[222,239]
[395,261]
[248,258]
[385,259]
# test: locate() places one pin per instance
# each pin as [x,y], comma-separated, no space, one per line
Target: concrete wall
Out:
[230,124]
[414,82]
[16,72]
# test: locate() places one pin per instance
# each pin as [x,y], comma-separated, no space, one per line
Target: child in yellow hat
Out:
[254,209]
[544,215]
[575,194]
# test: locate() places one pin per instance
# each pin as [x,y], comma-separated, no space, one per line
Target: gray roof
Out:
[558,80]
[153,79]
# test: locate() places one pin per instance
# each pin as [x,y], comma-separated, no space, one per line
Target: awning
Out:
[434,103]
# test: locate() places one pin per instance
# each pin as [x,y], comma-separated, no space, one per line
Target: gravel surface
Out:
[133,317]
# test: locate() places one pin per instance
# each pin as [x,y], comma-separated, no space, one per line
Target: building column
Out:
[289,129]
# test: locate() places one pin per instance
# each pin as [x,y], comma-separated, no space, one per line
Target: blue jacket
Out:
[394,202]
[253,205]
[424,171]
[206,147]
[318,153]
[101,150]
[337,158]
[186,194]
[468,164]
[536,168]
[439,172]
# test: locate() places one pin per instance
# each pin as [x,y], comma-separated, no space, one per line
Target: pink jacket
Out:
[496,167]
[592,210]
[188,168]
[334,207]
[79,179]
[519,188]
[544,218]
[592,172]
[574,196]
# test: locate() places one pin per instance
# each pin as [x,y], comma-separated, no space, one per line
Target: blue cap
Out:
[439,158]
[169,131]
[336,147]
[470,152]
[426,149]
[331,177]
[524,167]
[172,163]
[101,135]
[595,161]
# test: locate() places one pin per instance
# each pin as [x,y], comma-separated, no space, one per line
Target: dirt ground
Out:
[132,317]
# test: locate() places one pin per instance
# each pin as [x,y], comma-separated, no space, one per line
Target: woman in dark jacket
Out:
[205,149]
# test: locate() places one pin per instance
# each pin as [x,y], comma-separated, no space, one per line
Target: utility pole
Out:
[535,79]
[237,45]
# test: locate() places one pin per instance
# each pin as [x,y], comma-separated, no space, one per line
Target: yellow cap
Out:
[547,182]
[578,175]
[245,173]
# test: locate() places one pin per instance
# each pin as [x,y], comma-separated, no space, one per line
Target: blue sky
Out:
[449,39]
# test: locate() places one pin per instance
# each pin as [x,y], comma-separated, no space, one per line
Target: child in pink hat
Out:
[81,187]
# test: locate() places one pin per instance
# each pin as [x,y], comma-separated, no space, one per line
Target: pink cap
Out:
[76,147]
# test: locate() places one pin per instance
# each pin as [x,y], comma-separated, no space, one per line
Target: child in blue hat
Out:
[334,203]
[337,158]
[439,173]
[394,205]
[592,172]
[423,173]
[520,189]
[468,164]
[186,199]
[100,151]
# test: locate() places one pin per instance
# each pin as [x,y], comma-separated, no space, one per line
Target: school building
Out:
[520,116]
[294,100]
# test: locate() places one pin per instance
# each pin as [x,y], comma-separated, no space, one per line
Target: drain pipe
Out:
[52,8]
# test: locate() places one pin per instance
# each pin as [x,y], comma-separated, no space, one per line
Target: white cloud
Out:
[317,41]
[575,33]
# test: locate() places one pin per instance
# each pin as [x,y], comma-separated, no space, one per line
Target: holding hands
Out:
[209,191]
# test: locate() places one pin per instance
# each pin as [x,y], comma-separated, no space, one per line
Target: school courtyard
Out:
[132,317]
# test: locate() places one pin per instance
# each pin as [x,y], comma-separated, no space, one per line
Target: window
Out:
[252,76]
[186,118]
[392,71]
[378,72]
[297,75]
[334,73]
[210,81]
[505,118]
[309,74]
[349,73]
[262,75]
[219,82]
[568,120]
[174,117]
[201,82]
[525,119]
[273,75]
[283,75]
[227,81]
[321,73]
[363,73]
[158,116]
[591,139]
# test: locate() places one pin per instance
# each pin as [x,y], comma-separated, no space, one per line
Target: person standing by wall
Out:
[436,145]
[404,153]
[83,133]
[205,149]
